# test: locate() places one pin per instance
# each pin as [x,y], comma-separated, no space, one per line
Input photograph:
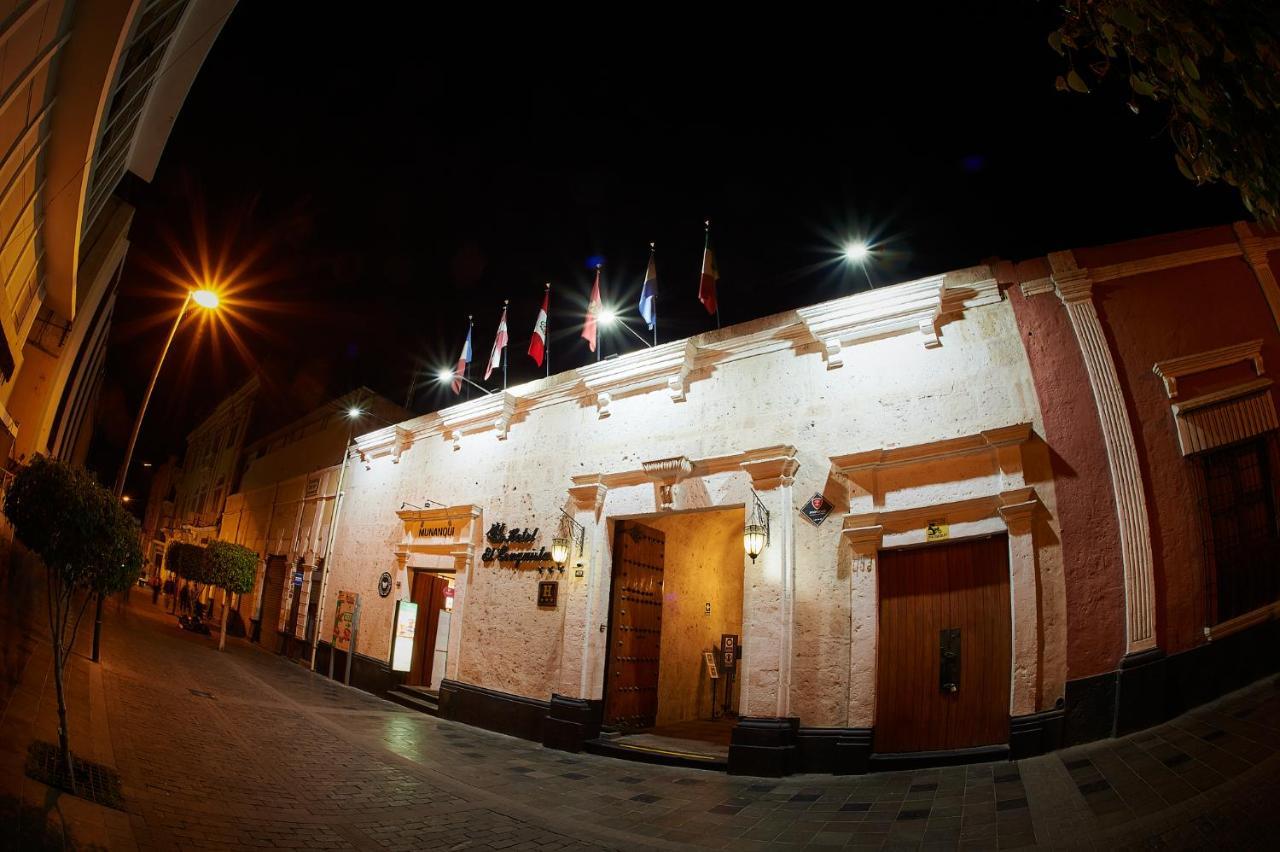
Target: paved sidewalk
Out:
[244,750]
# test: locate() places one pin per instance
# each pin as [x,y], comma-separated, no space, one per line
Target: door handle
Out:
[949,660]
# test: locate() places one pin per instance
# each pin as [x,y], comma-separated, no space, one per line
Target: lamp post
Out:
[608,318]
[859,253]
[208,300]
[445,376]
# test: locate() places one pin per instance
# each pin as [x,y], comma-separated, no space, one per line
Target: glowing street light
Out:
[207,300]
[446,376]
[859,253]
[354,411]
[609,317]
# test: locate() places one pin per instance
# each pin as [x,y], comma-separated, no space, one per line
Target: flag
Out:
[593,308]
[538,343]
[499,343]
[649,292]
[710,278]
[463,360]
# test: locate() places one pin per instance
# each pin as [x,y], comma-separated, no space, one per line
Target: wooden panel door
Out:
[938,601]
[635,618]
[428,592]
[272,594]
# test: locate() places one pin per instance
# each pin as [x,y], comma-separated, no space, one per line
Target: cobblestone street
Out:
[243,750]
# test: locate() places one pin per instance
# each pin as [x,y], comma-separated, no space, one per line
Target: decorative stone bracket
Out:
[666,473]
[668,365]
[392,441]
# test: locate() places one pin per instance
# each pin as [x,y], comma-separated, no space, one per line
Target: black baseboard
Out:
[1035,734]
[609,748]
[1150,688]
[509,714]
[763,746]
[570,722]
[843,751]
[367,673]
[925,759]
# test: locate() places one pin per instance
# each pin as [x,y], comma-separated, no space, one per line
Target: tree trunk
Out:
[222,637]
[64,741]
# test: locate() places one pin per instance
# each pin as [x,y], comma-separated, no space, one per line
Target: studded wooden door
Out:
[945,647]
[635,617]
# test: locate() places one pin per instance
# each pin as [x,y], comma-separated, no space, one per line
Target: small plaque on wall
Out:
[548,593]
[937,530]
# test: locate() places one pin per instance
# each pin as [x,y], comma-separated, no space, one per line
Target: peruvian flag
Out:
[463,360]
[538,344]
[710,277]
[499,343]
[593,309]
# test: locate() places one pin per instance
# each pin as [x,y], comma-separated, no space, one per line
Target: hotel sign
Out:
[500,550]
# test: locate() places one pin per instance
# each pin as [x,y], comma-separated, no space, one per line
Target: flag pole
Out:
[546,343]
[505,302]
[652,249]
[599,336]
[466,371]
[704,254]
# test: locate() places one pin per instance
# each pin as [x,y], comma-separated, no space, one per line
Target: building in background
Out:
[157,517]
[988,512]
[88,94]
[283,508]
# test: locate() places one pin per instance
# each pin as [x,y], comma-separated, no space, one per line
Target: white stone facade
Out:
[898,404]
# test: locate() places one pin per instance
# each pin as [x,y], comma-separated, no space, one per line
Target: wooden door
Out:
[944,648]
[635,617]
[428,592]
[272,593]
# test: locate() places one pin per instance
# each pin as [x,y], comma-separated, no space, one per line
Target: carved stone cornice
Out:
[666,473]
[1171,369]
[666,366]
[392,441]
[493,411]
[588,493]
[771,467]
[1005,436]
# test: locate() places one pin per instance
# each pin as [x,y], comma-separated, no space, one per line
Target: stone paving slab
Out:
[245,750]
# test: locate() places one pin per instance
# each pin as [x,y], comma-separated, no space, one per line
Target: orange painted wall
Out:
[1148,318]
[1082,481]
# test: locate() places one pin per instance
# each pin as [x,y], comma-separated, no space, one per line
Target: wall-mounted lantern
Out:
[755,535]
[570,535]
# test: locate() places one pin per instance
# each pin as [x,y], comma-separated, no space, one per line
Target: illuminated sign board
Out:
[402,637]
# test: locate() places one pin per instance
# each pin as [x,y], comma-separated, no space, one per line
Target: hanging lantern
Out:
[755,535]
[560,551]
[569,534]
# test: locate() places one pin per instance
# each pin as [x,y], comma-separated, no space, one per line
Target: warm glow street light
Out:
[445,377]
[353,412]
[609,317]
[859,253]
[206,299]
[606,316]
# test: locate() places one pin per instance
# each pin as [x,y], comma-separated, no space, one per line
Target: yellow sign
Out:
[938,530]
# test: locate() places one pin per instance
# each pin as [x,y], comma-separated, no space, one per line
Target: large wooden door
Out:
[272,593]
[428,592]
[944,648]
[635,618]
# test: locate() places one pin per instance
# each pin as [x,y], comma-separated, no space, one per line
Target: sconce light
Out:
[755,535]
[570,534]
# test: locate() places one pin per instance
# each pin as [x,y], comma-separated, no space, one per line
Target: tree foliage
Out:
[231,566]
[187,561]
[88,543]
[1212,66]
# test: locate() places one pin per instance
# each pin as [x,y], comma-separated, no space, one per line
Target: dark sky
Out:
[385,177]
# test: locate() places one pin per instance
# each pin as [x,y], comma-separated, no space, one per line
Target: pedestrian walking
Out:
[155,590]
[184,600]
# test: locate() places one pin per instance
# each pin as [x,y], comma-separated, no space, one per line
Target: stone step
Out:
[422,700]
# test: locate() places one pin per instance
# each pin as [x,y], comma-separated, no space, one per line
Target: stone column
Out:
[769,588]
[1255,254]
[582,675]
[864,628]
[1018,511]
[1075,289]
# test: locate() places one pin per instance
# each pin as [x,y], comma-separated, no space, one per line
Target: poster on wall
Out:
[346,609]
[402,636]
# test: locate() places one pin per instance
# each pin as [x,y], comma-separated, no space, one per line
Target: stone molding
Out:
[390,441]
[1075,287]
[666,473]
[1172,369]
[588,493]
[771,467]
[1255,251]
[1225,416]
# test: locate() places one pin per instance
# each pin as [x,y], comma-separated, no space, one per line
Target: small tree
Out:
[187,562]
[233,568]
[89,545]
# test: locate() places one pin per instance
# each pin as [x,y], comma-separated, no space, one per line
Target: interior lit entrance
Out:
[432,592]
[676,590]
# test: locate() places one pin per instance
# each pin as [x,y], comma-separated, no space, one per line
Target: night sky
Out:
[379,179]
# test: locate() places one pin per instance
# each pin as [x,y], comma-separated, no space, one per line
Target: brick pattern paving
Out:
[243,750]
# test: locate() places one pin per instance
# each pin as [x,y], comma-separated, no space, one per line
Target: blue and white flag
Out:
[463,360]
[649,293]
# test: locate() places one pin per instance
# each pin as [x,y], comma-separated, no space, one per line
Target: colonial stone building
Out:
[987,512]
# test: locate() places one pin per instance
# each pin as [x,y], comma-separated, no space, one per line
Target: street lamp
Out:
[446,376]
[609,317]
[208,300]
[859,253]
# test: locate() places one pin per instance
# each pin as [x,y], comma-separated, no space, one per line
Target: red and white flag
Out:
[538,343]
[499,343]
[593,310]
[710,277]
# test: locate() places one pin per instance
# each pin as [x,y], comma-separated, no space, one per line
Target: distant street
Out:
[243,750]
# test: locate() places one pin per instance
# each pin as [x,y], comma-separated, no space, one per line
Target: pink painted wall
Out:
[1082,480]
[1148,318]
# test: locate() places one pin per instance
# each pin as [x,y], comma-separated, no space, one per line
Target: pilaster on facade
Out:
[1075,289]
[916,306]
[864,622]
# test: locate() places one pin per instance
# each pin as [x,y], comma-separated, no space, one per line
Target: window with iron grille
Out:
[1241,528]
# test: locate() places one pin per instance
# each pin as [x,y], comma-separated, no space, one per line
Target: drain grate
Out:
[94,782]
